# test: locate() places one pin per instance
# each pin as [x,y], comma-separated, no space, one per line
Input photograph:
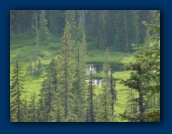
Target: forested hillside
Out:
[84,66]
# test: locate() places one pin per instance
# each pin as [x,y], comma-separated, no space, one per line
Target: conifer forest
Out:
[84,66]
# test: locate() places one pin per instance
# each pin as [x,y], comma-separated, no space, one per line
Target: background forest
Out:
[84,66]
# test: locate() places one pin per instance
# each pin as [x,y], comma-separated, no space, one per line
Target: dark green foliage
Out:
[30,68]
[131,112]
[138,83]
[126,30]
[145,75]
[48,93]
[56,21]
[90,106]
[39,65]
[49,87]
[33,110]
[72,118]
[41,111]
[71,19]
[20,21]
[79,85]
[101,39]
[108,95]
[16,89]
[116,29]
[25,108]
[145,16]
[152,115]
[65,71]
[58,108]
[43,30]
[113,93]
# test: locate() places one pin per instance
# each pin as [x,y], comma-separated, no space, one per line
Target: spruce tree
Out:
[16,89]
[113,93]
[148,16]
[90,117]
[145,76]
[153,54]
[41,109]
[33,107]
[70,18]
[25,106]
[66,71]
[58,109]
[80,74]
[47,94]
[106,96]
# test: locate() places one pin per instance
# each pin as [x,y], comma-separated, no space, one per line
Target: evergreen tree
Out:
[39,65]
[80,74]
[41,109]
[145,72]
[16,89]
[33,107]
[58,109]
[47,95]
[106,97]
[25,107]
[71,19]
[90,117]
[148,16]
[153,60]
[113,93]
[136,82]
[43,30]
[65,71]
[131,111]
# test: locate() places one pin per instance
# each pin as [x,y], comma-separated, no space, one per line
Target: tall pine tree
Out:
[16,89]
[79,85]
[90,105]
[47,94]
[33,107]
[66,71]
[106,96]
[145,76]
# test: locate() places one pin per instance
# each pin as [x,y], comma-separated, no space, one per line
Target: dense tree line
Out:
[116,29]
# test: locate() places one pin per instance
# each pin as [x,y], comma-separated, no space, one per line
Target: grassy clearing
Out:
[115,57]
[122,75]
